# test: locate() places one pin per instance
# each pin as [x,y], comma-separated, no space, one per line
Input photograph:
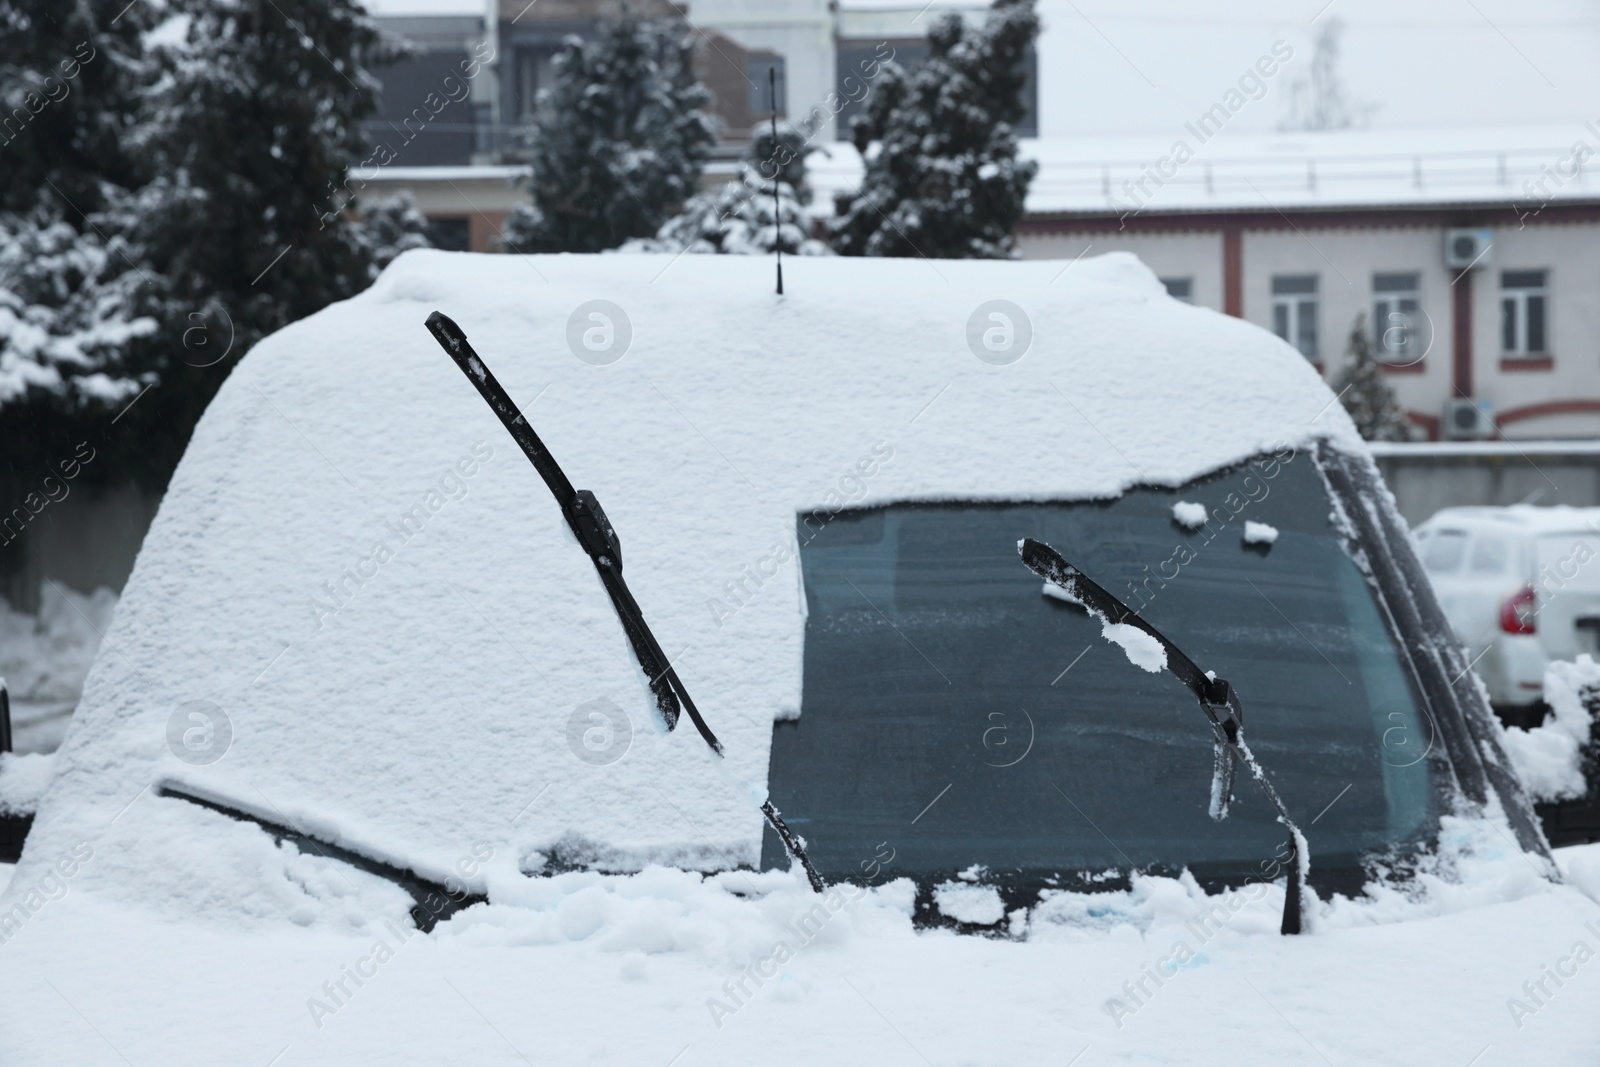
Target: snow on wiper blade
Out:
[435,901]
[593,531]
[1217,699]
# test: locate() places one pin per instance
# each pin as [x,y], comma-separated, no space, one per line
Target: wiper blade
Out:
[1217,699]
[589,525]
[593,531]
[435,901]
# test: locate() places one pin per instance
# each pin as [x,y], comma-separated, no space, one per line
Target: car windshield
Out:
[957,715]
[1442,551]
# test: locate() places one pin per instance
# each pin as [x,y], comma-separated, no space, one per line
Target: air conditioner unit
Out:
[1468,248]
[1467,420]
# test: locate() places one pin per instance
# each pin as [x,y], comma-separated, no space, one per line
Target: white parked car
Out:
[367,770]
[1520,586]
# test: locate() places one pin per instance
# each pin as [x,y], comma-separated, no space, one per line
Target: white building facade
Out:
[1472,257]
[1518,333]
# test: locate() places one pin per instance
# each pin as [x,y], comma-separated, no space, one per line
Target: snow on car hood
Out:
[359,610]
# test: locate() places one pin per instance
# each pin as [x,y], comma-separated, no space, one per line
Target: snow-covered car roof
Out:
[360,613]
[1519,518]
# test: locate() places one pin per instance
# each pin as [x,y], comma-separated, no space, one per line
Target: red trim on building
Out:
[484,227]
[1461,327]
[1429,423]
[1527,362]
[1233,272]
[1464,214]
[1553,407]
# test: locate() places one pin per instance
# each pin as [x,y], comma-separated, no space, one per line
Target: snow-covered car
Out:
[1521,588]
[368,766]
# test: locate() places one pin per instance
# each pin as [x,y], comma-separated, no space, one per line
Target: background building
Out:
[1300,233]
[1471,254]
[463,164]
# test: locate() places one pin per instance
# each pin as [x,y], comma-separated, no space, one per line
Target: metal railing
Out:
[1523,175]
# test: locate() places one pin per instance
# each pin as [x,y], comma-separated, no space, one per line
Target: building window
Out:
[1294,311]
[761,102]
[453,233]
[1523,306]
[534,71]
[1394,317]
[1180,289]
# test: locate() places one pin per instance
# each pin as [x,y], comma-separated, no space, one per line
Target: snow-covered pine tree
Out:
[66,319]
[389,226]
[71,79]
[71,76]
[942,175]
[1365,394]
[782,156]
[736,218]
[619,141]
[251,132]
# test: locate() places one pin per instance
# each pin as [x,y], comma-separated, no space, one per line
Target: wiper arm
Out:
[1217,699]
[593,531]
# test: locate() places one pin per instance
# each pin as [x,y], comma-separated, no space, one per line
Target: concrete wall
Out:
[86,540]
[1425,478]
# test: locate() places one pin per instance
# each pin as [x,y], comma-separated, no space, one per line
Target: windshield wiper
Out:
[435,901]
[1217,699]
[593,531]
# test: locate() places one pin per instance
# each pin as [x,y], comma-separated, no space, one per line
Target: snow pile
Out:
[1189,515]
[968,903]
[1142,650]
[45,657]
[1581,869]
[730,921]
[1473,867]
[1549,758]
[23,779]
[360,581]
[748,968]
[1259,533]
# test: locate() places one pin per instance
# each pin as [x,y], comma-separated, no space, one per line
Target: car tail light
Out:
[1516,614]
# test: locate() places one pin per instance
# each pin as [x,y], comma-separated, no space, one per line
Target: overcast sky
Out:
[1146,66]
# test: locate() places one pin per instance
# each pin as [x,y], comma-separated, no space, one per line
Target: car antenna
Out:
[777,219]
[593,531]
[1217,699]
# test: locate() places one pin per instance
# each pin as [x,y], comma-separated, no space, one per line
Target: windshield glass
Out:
[1442,552]
[953,711]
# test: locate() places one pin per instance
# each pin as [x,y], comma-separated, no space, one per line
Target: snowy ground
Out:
[44,659]
[422,706]
[626,970]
